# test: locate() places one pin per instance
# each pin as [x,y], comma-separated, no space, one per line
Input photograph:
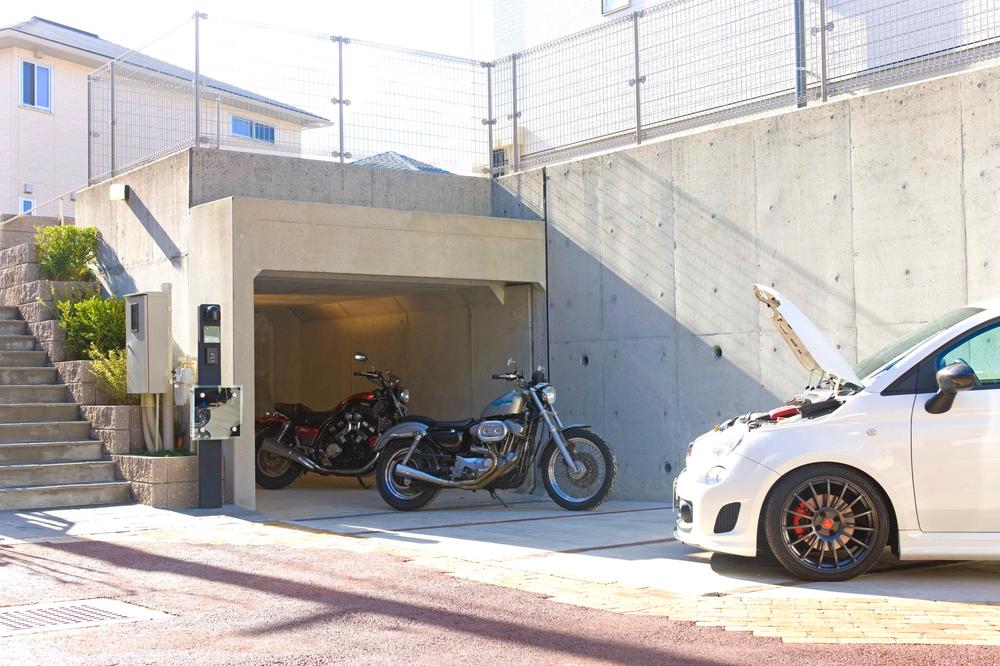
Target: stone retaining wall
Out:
[118,426]
[163,482]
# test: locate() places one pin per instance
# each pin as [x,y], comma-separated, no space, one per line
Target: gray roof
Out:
[393,160]
[91,43]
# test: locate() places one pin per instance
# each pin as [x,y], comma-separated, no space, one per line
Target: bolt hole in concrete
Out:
[717,351]
[585,360]
[668,468]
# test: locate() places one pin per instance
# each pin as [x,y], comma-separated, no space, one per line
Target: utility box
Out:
[147,342]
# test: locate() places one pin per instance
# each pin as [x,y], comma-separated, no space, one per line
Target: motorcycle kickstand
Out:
[361,482]
[493,494]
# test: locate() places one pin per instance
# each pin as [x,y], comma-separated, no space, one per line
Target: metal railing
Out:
[669,67]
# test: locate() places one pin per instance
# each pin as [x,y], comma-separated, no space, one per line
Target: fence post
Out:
[516,158]
[90,130]
[800,53]
[339,100]
[638,80]
[822,48]
[114,121]
[197,79]
[490,120]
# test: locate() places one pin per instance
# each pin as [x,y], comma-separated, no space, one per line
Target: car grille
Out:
[685,512]
[726,520]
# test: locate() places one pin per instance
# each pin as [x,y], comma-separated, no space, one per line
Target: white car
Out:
[885,453]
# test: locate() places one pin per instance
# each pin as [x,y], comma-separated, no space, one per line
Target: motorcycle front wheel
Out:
[273,472]
[400,492]
[581,489]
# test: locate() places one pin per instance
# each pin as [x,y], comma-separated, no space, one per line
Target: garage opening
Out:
[443,339]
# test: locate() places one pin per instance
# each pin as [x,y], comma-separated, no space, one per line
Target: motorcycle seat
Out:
[301,414]
[459,425]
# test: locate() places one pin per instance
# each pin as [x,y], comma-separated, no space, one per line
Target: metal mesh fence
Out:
[140,106]
[641,75]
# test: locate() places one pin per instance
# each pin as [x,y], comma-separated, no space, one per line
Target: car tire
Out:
[826,523]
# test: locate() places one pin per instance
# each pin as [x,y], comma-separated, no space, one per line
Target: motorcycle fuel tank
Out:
[511,403]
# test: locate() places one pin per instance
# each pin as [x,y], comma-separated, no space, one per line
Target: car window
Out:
[981,351]
[898,347]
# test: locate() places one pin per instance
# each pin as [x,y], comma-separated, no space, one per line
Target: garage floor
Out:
[623,557]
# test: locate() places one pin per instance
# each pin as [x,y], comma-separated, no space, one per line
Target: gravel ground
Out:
[297,600]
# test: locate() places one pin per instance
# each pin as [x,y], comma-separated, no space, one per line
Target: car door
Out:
[956,455]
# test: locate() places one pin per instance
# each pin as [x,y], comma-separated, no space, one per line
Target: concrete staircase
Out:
[47,456]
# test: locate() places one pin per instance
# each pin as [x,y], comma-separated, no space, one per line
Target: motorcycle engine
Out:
[346,444]
[497,436]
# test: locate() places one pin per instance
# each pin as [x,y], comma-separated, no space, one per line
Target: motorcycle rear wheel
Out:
[588,489]
[273,472]
[401,493]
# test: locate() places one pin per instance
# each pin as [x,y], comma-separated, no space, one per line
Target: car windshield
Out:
[905,343]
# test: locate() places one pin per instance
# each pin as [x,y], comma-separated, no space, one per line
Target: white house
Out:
[43,123]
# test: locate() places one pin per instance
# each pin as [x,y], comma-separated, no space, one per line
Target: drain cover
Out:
[71,615]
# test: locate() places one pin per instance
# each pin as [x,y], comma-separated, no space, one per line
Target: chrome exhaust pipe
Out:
[272,446]
[472,484]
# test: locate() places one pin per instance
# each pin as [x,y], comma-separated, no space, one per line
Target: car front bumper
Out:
[706,517]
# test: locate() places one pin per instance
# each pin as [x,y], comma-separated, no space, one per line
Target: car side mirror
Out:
[950,380]
[361,357]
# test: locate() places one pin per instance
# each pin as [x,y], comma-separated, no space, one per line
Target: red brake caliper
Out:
[799,520]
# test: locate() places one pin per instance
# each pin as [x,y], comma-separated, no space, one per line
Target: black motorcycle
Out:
[294,439]
[496,451]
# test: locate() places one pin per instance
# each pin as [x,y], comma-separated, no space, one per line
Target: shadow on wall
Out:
[655,335]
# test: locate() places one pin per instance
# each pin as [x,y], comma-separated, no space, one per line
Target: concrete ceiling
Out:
[327,296]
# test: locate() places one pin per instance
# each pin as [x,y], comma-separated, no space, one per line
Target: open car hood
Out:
[813,349]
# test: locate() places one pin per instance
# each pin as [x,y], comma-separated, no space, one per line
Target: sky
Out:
[454,27]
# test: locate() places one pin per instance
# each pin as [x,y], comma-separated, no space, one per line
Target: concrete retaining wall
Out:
[874,214]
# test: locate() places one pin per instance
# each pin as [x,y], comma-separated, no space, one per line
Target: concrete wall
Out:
[217,174]
[874,214]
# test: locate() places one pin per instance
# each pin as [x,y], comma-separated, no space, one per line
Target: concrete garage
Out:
[413,271]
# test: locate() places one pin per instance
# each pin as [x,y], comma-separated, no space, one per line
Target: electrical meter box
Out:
[147,342]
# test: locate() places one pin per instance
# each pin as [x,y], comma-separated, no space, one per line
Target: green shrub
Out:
[110,372]
[66,252]
[93,324]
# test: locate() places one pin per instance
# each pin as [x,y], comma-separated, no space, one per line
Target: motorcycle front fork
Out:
[555,429]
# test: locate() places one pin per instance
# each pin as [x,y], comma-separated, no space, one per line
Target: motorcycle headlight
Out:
[715,475]
[404,396]
[549,394]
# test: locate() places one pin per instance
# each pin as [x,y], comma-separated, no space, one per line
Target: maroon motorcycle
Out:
[294,439]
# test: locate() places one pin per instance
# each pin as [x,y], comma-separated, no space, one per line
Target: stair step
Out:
[9,312]
[66,494]
[34,412]
[13,327]
[22,376]
[52,431]
[12,453]
[17,343]
[19,393]
[23,359]
[47,474]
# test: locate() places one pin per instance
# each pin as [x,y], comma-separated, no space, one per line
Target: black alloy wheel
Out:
[826,523]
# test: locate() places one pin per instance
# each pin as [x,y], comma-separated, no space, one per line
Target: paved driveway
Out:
[622,557]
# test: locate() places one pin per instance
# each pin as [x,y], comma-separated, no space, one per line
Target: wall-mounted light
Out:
[29,188]
[118,192]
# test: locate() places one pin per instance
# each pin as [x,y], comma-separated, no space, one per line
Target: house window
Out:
[611,6]
[252,129]
[26,204]
[36,86]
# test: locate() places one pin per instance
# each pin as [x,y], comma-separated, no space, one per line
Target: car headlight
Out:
[549,394]
[715,475]
[404,396]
